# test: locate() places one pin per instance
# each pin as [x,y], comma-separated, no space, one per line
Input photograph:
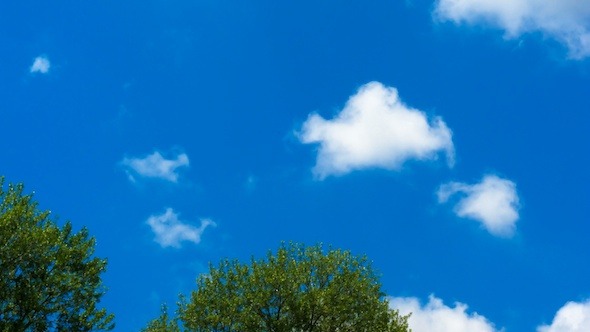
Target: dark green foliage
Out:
[49,279]
[163,323]
[298,289]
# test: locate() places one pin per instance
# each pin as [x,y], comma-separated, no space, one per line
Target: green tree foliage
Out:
[298,289]
[49,279]
[164,323]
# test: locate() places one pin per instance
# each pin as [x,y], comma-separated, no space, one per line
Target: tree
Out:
[298,289]
[164,323]
[49,279]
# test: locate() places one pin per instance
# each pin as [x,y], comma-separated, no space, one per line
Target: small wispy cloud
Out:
[155,166]
[251,183]
[41,65]
[171,232]
[375,129]
[572,317]
[435,316]
[494,202]
[567,21]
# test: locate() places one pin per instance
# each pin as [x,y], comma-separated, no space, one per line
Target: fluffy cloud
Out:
[40,65]
[171,232]
[375,130]
[435,316]
[493,202]
[572,317]
[567,21]
[155,166]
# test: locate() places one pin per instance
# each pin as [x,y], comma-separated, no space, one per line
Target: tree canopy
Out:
[298,288]
[49,277]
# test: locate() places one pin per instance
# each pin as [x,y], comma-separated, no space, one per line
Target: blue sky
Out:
[447,140]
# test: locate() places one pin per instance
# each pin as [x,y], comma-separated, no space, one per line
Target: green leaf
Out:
[49,277]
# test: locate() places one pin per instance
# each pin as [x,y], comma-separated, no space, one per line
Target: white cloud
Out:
[375,130]
[572,317]
[40,65]
[567,21]
[435,316]
[156,166]
[171,232]
[493,201]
